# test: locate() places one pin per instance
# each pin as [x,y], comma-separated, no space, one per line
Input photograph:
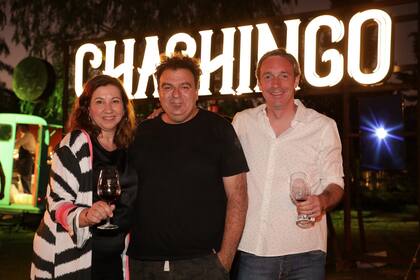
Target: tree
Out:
[4,49]
[45,26]
[76,20]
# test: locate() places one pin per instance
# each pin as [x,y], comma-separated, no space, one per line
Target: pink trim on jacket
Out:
[127,264]
[62,213]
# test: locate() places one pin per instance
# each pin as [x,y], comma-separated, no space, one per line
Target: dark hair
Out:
[79,117]
[23,127]
[282,53]
[179,61]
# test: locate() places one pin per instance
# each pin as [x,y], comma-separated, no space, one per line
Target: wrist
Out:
[323,202]
[84,221]
[225,259]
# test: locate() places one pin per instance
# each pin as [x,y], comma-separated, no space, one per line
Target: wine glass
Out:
[299,191]
[108,190]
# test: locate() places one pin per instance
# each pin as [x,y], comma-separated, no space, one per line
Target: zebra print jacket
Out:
[61,249]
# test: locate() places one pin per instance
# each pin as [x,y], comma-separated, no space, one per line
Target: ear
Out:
[297,79]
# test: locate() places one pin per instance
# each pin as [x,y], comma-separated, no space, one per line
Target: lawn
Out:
[396,233]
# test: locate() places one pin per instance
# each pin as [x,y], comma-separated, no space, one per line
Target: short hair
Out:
[79,117]
[23,127]
[282,53]
[178,61]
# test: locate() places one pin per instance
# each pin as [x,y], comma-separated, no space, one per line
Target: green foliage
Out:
[49,108]
[78,20]
[33,79]
[4,49]
[44,27]
[389,191]
[30,79]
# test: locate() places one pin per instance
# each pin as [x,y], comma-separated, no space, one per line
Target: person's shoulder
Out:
[70,137]
[214,117]
[75,140]
[144,128]
[69,143]
[205,114]
[315,116]
[250,112]
[28,136]
[147,124]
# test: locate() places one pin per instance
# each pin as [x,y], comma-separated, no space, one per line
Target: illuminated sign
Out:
[339,61]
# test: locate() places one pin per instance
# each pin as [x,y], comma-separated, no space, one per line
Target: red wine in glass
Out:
[109,193]
[299,192]
[109,190]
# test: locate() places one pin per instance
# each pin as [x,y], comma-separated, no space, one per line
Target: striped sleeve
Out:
[64,199]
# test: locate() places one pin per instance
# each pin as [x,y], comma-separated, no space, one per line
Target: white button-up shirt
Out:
[311,145]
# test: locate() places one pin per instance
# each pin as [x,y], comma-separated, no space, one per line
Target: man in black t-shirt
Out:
[192,198]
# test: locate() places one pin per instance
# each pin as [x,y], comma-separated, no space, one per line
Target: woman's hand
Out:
[99,211]
[156,112]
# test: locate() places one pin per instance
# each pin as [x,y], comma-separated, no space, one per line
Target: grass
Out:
[397,233]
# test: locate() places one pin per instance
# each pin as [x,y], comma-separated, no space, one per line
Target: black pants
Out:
[106,256]
[106,267]
[201,268]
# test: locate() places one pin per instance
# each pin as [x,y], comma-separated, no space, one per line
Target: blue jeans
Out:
[303,266]
[199,268]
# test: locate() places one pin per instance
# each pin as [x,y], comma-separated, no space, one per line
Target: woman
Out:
[67,244]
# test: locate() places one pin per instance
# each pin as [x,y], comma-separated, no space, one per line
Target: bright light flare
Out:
[381,133]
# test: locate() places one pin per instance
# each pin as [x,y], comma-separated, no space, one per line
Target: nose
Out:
[176,92]
[276,82]
[108,107]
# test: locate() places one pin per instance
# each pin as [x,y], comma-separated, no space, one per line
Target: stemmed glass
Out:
[108,190]
[299,191]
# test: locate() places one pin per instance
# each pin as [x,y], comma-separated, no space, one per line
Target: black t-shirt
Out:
[181,203]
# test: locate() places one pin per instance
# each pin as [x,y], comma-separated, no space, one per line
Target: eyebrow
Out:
[182,84]
[281,72]
[166,84]
[102,98]
[186,84]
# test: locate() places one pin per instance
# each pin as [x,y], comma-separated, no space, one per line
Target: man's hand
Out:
[311,206]
[316,205]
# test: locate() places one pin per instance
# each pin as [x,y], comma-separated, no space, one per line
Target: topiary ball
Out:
[31,78]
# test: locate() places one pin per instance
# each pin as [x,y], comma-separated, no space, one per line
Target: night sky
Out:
[403,53]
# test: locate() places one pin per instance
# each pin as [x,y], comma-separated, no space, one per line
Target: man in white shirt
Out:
[279,138]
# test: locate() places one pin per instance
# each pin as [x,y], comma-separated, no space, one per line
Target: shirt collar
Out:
[300,115]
